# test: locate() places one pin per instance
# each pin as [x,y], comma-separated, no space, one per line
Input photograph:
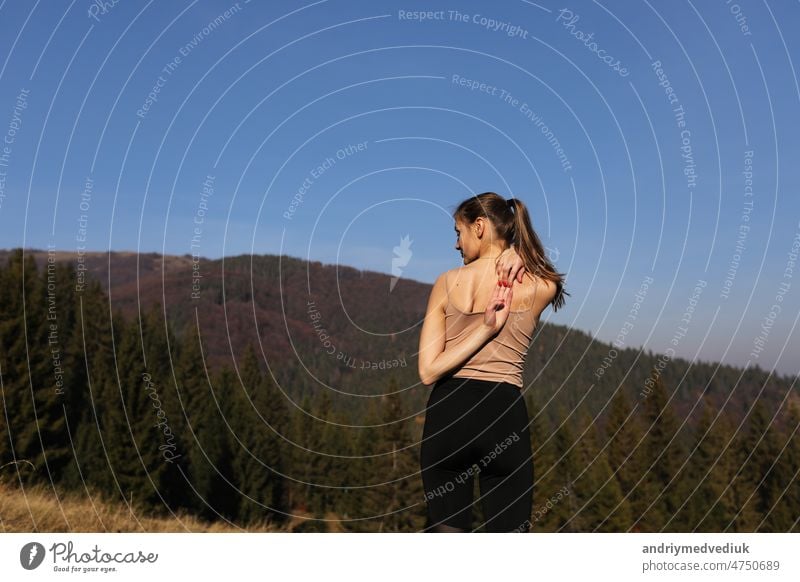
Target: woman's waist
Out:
[463,379]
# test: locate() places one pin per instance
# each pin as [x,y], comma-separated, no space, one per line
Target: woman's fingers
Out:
[508,295]
[503,297]
[507,277]
[497,295]
[497,311]
[507,266]
[517,270]
[514,273]
[510,268]
[501,268]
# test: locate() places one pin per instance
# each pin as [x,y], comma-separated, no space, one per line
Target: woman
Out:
[478,326]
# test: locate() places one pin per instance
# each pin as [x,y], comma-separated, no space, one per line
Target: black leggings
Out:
[477,427]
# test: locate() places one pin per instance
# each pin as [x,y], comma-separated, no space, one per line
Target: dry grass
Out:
[39,509]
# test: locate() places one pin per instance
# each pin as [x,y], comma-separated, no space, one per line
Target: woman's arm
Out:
[434,361]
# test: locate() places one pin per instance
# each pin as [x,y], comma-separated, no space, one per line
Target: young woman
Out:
[477,330]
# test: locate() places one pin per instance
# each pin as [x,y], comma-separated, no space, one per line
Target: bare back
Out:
[471,286]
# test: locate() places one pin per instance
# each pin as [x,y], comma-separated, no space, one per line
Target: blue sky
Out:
[331,130]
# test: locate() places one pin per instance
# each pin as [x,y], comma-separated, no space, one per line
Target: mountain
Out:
[334,325]
[111,388]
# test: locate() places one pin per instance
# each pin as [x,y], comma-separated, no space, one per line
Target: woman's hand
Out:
[510,267]
[498,309]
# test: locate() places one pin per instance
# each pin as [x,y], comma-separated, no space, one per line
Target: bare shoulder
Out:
[451,279]
[458,275]
[438,294]
[550,287]
[545,290]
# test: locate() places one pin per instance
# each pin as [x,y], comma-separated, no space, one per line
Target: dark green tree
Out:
[565,516]
[763,477]
[260,460]
[597,492]
[360,498]
[33,399]
[91,358]
[548,481]
[308,437]
[400,497]
[210,451]
[663,454]
[711,504]
[790,503]
[623,432]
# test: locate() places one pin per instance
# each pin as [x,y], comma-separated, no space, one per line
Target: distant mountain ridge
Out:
[351,329]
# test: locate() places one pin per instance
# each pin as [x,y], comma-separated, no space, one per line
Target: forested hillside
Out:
[231,404]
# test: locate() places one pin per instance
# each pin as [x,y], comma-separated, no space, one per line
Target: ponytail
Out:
[530,248]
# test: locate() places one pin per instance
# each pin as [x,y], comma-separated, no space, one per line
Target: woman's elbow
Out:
[425,375]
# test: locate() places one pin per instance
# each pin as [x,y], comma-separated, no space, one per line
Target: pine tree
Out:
[790,502]
[565,516]
[711,504]
[65,340]
[778,481]
[323,456]
[597,493]
[745,518]
[664,456]
[10,398]
[35,409]
[11,350]
[130,423]
[623,431]
[399,498]
[761,474]
[548,481]
[364,499]
[210,451]
[136,424]
[308,437]
[92,363]
[259,462]
[187,400]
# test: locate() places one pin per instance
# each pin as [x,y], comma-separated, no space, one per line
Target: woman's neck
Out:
[491,253]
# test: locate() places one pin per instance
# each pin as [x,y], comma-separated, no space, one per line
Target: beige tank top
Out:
[502,359]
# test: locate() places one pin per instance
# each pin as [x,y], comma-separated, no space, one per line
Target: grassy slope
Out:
[37,509]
